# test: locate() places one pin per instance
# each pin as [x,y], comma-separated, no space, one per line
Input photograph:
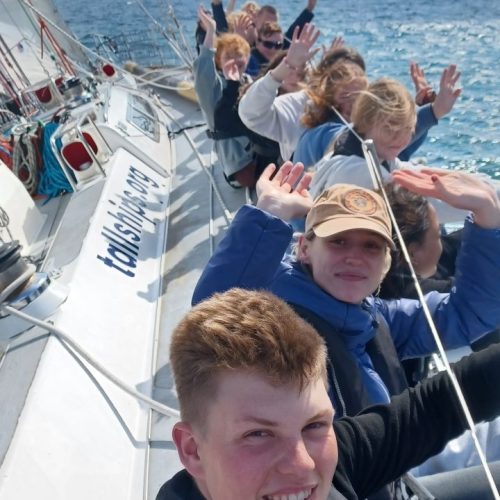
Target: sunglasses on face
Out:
[268,44]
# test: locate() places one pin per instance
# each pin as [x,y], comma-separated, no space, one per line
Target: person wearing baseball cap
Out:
[352,223]
[345,207]
[340,262]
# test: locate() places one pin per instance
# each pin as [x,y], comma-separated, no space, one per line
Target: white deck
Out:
[77,434]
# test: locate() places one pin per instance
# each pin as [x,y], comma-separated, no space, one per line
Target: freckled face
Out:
[349,265]
[267,442]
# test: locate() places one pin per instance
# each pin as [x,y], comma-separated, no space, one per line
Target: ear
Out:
[187,442]
[413,251]
[303,249]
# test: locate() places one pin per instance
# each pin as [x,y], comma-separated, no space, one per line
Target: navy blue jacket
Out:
[250,256]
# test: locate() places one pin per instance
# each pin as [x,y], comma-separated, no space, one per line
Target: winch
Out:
[22,287]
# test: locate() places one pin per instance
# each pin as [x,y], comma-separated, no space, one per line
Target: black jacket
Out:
[384,441]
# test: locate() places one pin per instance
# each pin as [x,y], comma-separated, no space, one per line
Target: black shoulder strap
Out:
[347,144]
[385,359]
[346,385]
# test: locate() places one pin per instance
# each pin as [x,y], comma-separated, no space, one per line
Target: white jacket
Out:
[277,118]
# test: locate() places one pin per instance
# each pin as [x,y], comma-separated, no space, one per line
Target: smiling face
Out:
[262,441]
[385,113]
[268,45]
[390,138]
[241,60]
[349,265]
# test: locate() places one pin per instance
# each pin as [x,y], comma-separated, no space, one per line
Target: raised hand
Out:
[337,43]
[206,20]
[242,26]
[423,90]
[231,71]
[310,5]
[286,195]
[448,94]
[300,50]
[458,189]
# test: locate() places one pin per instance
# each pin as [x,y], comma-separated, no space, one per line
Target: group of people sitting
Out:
[262,96]
[279,346]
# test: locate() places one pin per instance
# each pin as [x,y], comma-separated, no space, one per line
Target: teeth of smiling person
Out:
[296,496]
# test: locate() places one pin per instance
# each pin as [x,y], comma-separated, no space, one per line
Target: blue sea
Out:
[389,34]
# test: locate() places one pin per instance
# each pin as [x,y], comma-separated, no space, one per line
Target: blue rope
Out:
[5,151]
[53,182]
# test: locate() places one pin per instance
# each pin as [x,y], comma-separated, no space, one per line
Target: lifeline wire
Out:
[86,49]
[172,42]
[225,210]
[374,167]
[76,348]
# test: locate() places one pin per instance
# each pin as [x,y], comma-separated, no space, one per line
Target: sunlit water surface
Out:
[389,34]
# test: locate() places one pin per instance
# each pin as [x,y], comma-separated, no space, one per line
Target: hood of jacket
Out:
[355,322]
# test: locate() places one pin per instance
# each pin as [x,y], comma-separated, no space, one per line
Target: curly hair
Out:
[232,44]
[322,89]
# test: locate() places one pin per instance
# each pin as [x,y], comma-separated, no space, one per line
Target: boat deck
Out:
[196,224]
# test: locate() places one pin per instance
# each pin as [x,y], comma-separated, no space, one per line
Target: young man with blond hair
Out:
[256,419]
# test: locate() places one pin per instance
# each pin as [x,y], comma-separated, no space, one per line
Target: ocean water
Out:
[389,34]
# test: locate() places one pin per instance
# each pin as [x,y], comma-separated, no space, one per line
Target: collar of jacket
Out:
[355,322]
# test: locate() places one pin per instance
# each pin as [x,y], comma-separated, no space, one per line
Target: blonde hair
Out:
[385,100]
[232,44]
[322,88]
[251,8]
[241,330]
[233,17]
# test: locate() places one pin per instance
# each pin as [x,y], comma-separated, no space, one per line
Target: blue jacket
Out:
[250,256]
[314,141]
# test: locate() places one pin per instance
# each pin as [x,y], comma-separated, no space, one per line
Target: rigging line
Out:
[10,60]
[7,83]
[373,164]
[78,349]
[66,34]
[13,20]
[211,226]
[227,214]
[437,339]
[56,47]
[8,112]
[181,31]
[172,42]
[87,50]
[34,53]
[144,83]
[33,24]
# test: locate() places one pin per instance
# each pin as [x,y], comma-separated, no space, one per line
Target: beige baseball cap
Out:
[343,207]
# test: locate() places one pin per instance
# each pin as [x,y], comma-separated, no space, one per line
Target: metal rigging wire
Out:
[373,165]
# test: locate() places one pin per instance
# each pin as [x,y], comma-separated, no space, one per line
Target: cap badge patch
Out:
[360,202]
